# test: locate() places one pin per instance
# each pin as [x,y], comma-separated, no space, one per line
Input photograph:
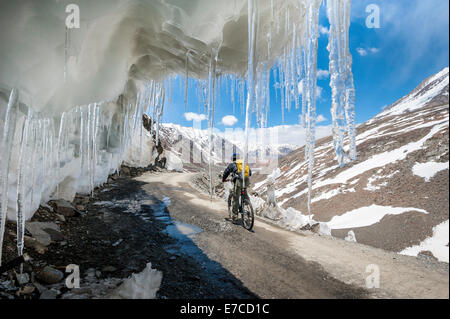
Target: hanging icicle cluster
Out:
[82,148]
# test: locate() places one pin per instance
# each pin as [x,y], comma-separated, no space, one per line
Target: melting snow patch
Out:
[367,216]
[428,170]
[144,285]
[437,244]
[294,219]
[332,193]
[324,229]
[351,236]
[370,182]
[257,202]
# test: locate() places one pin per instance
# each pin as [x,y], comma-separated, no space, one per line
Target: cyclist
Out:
[235,169]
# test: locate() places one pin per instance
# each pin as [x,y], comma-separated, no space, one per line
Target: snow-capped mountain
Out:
[395,195]
[192,144]
[189,140]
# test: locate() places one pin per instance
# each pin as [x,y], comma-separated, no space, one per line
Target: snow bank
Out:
[437,244]
[174,163]
[367,216]
[294,219]
[428,170]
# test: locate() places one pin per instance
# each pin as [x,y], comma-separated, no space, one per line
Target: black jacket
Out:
[232,169]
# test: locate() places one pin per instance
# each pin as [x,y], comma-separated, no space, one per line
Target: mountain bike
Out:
[245,209]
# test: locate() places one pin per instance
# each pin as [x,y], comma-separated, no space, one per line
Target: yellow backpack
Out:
[239,165]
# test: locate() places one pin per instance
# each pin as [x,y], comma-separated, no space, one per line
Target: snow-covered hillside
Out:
[395,196]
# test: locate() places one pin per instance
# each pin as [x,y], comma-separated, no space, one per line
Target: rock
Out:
[22,279]
[117,243]
[27,268]
[27,290]
[306,227]
[63,207]
[80,207]
[109,269]
[315,228]
[48,294]
[35,244]
[44,232]
[39,287]
[125,171]
[427,254]
[50,275]
[61,218]
[50,208]
[81,291]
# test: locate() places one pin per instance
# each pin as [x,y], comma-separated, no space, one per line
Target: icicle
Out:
[35,130]
[66,53]
[211,111]
[343,92]
[187,81]
[58,152]
[310,54]
[89,138]
[94,144]
[21,191]
[82,133]
[6,145]
[251,90]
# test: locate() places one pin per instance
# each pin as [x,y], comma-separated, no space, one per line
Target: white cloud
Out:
[367,51]
[361,51]
[321,118]
[194,117]
[323,29]
[229,120]
[323,74]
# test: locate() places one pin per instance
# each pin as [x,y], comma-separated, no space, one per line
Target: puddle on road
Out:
[182,231]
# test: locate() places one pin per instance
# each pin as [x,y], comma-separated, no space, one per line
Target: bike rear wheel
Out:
[248,217]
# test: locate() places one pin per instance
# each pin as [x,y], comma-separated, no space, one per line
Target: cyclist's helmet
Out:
[234,157]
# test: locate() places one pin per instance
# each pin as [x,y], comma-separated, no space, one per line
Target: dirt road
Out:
[275,263]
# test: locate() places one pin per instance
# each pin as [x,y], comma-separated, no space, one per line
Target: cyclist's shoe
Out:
[234,217]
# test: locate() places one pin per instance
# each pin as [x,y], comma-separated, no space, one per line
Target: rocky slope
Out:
[395,196]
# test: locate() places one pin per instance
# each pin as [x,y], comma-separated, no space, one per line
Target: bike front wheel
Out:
[230,207]
[248,218]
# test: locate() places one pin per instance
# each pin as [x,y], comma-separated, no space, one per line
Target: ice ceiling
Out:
[71,100]
[122,42]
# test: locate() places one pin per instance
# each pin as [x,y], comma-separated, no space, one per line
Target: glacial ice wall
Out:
[72,100]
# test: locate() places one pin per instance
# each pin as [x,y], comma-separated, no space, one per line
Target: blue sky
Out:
[410,45]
